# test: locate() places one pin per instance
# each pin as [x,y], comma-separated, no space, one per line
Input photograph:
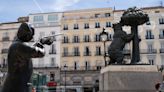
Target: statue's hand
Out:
[46,40]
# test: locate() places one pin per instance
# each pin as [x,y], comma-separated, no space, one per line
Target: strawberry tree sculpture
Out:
[134,17]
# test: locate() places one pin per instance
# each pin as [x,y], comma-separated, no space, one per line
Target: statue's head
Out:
[25,32]
[117,26]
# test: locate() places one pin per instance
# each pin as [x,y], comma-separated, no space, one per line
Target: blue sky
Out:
[10,10]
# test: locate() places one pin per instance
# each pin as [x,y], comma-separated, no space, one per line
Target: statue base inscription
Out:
[129,78]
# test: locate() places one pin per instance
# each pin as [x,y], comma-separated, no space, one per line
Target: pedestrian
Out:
[157,87]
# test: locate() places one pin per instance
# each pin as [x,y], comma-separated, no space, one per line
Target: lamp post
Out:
[37,85]
[65,68]
[38,81]
[104,38]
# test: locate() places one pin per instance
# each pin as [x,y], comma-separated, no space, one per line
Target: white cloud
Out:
[60,5]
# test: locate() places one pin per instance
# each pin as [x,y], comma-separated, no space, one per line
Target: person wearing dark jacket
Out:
[20,66]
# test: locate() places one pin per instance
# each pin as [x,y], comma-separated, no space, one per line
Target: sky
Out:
[10,10]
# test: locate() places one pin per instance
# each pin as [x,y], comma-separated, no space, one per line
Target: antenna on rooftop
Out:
[161,3]
[107,1]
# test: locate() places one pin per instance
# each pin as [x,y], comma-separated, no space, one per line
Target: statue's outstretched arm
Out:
[35,51]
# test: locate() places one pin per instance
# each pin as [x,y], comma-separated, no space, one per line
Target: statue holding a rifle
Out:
[20,66]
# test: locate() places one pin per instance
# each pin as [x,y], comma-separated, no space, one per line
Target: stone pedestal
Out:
[129,78]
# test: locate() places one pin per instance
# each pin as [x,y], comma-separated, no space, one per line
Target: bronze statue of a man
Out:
[120,38]
[19,60]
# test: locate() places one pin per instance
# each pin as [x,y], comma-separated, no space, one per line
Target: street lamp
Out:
[65,68]
[38,82]
[104,37]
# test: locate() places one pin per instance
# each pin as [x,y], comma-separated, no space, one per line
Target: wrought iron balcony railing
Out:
[5,39]
[65,41]
[149,36]
[4,51]
[126,52]
[161,50]
[75,53]
[99,53]
[148,51]
[52,52]
[87,53]
[71,54]
[81,68]
[161,36]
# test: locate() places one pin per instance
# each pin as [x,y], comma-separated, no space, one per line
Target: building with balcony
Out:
[81,30]
[151,34]
[81,44]
[81,80]
[47,24]
[81,48]
[7,34]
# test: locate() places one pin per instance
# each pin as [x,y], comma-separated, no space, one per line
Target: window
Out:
[110,37]
[76,26]
[38,18]
[76,39]
[97,25]
[87,65]
[52,17]
[4,64]
[97,37]
[41,34]
[41,62]
[65,27]
[98,50]
[54,37]
[76,51]
[87,51]
[97,15]
[75,65]
[149,34]
[157,11]
[151,61]
[65,51]
[107,14]
[52,61]
[162,60]
[65,39]
[52,49]
[86,25]
[5,36]
[86,38]
[52,77]
[161,20]
[148,23]
[150,48]
[162,47]
[108,24]
[161,34]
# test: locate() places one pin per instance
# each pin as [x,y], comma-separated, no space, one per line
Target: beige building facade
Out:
[47,24]
[81,46]
[151,34]
[7,33]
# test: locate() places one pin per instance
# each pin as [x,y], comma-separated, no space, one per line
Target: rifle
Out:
[48,40]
